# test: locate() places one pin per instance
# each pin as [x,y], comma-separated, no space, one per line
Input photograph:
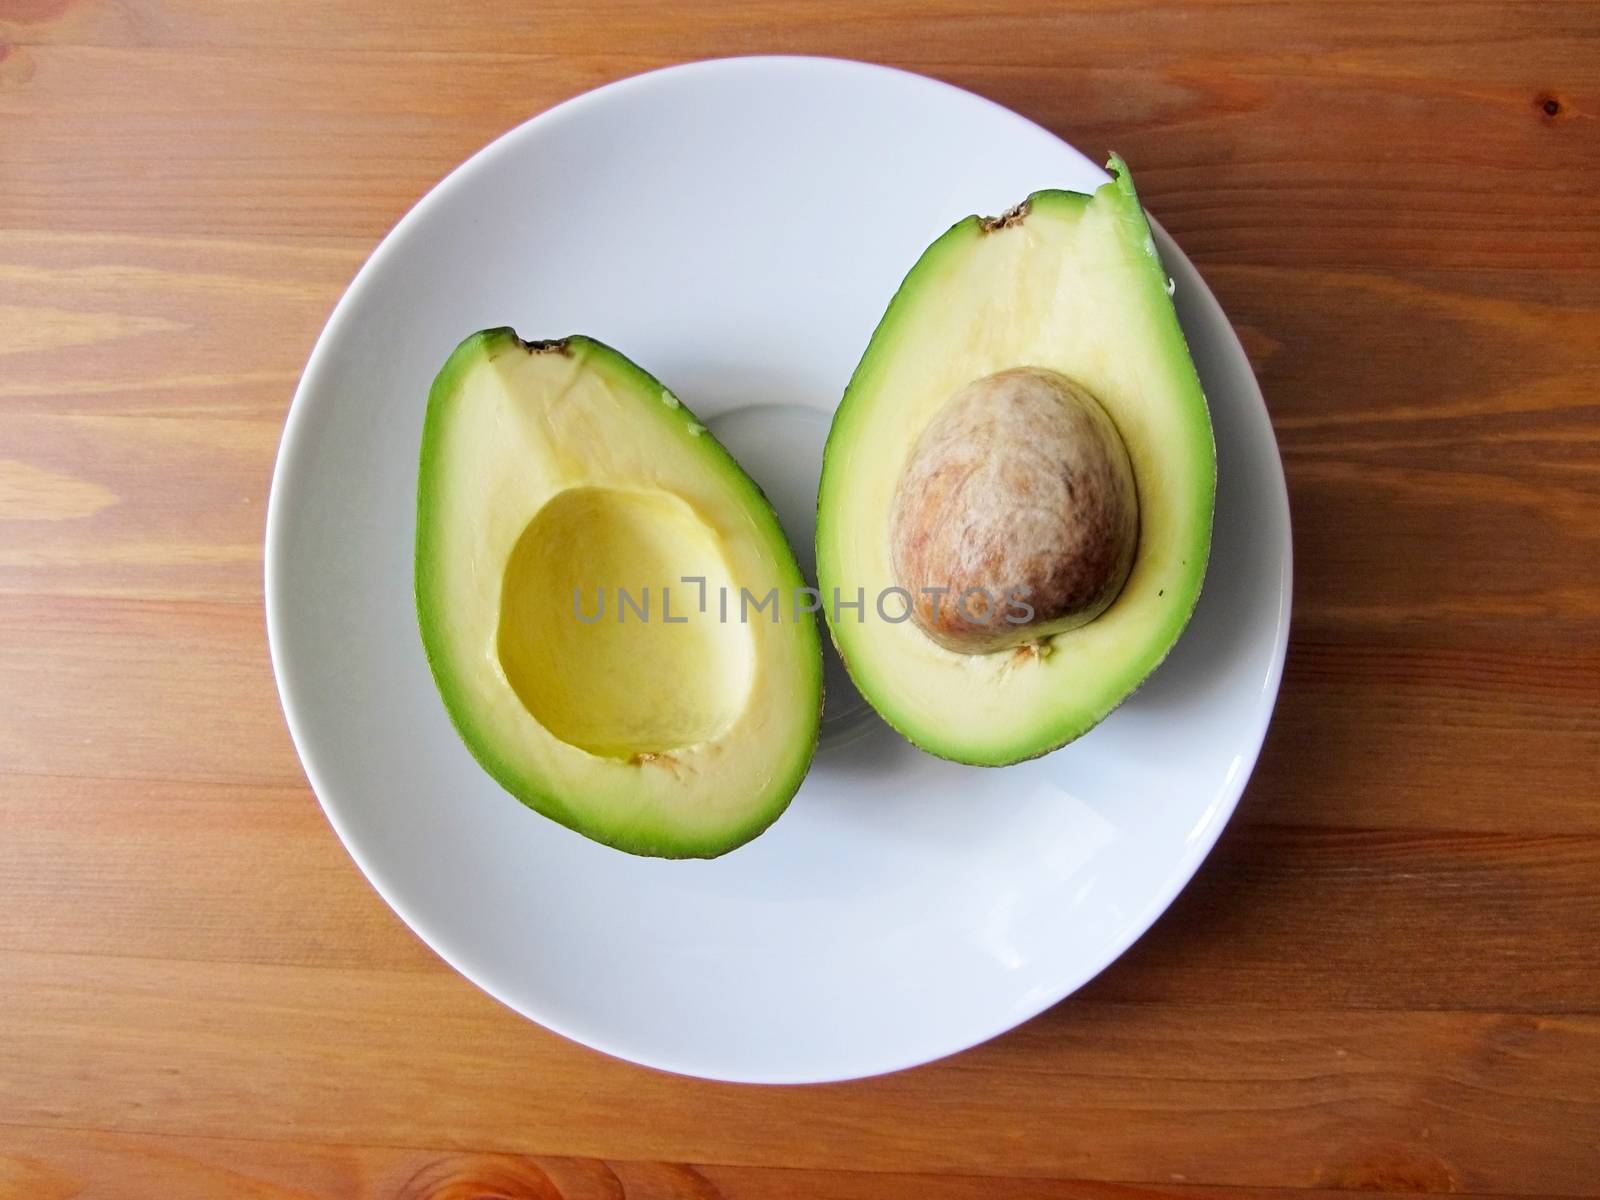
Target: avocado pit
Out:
[1016,517]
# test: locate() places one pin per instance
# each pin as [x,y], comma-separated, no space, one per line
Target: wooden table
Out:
[1388,975]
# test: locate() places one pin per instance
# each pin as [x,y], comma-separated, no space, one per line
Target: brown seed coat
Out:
[1017,495]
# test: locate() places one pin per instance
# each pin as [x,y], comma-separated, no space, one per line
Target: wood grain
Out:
[52,1165]
[1262,1097]
[167,857]
[1387,976]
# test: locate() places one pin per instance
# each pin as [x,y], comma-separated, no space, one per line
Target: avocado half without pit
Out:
[576,531]
[1018,485]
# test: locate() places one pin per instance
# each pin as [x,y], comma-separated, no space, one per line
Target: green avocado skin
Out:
[566,805]
[1194,440]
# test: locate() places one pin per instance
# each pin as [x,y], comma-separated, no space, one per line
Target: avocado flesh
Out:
[1067,282]
[553,466]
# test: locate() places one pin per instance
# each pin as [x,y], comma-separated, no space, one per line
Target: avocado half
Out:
[579,535]
[1066,283]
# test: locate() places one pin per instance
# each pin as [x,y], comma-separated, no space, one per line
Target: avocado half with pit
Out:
[1019,482]
[578,535]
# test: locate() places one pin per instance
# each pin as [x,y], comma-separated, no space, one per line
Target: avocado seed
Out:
[1016,516]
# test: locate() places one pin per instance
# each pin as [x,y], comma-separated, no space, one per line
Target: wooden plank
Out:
[1465,737]
[1093,1091]
[185,870]
[1405,734]
[96,473]
[130,505]
[128,325]
[133,689]
[335,141]
[1320,918]
[1433,40]
[1325,918]
[49,1164]
[143,384]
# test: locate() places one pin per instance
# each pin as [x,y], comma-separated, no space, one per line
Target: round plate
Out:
[738,227]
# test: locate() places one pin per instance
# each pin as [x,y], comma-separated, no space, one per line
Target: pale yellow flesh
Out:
[601,639]
[553,479]
[995,301]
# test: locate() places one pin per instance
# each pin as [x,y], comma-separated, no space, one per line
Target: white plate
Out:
[737,227]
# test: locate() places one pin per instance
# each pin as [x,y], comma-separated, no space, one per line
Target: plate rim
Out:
[275,577]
